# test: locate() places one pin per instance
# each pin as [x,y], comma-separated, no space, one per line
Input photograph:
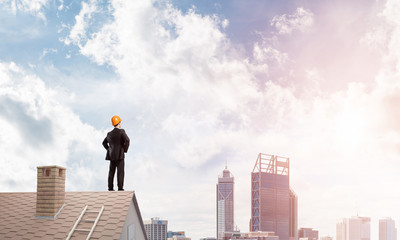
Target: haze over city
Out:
[202,84]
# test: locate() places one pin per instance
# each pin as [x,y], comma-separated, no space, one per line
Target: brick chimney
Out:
[50,195]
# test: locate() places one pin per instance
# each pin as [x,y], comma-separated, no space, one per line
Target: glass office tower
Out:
[273,203]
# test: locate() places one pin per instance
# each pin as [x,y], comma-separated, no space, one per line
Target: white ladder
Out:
[94,221]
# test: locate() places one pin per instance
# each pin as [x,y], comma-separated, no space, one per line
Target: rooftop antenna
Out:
[226,164]
[357,208]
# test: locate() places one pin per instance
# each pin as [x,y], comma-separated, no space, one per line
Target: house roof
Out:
[18,220]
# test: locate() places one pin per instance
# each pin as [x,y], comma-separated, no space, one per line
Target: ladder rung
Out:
[82,230]
[88,220]
[95,222]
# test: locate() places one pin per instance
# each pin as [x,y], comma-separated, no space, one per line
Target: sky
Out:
[200,84]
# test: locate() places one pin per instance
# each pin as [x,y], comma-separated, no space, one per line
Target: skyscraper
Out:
[273,203]
[156,229]
[341,230]
[387,229]
[225,211]
[354,228]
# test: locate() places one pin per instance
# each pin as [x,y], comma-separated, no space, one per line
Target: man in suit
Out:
[116,143]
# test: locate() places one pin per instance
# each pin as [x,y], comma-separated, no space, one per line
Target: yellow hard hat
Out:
[115,120]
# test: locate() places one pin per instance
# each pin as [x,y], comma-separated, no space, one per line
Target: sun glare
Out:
[348,130]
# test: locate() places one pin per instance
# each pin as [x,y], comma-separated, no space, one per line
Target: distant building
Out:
[177,237]
[259,235]
[179,233]
[387,229]
[156,229]
[273,202]
[340,230]
[231,235]
[293,234]
[354,228]
[326,238]
[308,234]
[225,203]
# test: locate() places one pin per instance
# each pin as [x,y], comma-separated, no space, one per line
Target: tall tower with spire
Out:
[225,203]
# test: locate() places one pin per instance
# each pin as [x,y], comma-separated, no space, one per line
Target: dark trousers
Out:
[119,165]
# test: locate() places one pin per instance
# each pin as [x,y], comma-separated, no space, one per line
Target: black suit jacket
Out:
[117,144]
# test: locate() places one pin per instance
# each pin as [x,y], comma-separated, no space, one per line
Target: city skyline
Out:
[199,83]
[354,228]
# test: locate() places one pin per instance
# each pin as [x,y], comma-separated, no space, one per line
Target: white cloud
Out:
[34,7]
[377,39]
[61,6]
[47,51]
[391,12]
[38,130]
[77,34]
[225,23]
[263,52]
[301,20]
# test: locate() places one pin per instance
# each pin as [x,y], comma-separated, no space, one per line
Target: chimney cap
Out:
[53,166]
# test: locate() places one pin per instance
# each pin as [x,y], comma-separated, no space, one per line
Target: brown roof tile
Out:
[18,221]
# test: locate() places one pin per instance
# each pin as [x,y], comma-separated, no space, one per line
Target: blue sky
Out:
[201,83]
